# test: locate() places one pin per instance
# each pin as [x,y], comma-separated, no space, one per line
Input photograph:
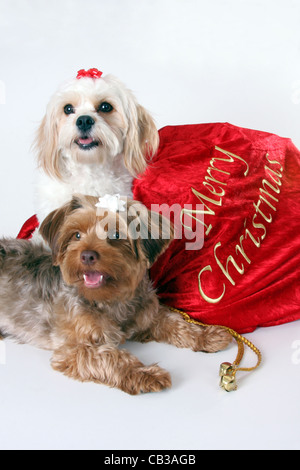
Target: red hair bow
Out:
[91,73]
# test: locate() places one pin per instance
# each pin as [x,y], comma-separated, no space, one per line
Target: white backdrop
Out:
[187,61]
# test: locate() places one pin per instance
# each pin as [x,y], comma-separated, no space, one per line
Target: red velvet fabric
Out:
[28,228]
[247,273]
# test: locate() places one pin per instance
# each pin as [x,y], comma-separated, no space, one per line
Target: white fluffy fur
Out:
[127,137]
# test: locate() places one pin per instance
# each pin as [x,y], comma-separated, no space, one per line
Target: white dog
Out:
[94,139]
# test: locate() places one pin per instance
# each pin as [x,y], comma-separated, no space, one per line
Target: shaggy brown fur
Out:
[92,293]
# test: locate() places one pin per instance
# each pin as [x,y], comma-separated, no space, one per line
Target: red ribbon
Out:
[91,73]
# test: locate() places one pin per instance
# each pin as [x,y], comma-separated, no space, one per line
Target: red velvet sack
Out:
[247,273]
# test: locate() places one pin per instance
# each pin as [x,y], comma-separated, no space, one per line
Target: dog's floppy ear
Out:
[142,139]
[153,231]
[50,229]
[160,235]
[46,145]
[51,226]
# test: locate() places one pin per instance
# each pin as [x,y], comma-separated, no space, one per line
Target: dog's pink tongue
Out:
[86,141]
[93,279]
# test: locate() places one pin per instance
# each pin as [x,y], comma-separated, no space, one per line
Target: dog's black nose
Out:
[85,123]
[89,257]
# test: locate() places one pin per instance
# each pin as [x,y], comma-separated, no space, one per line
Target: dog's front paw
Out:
[146,379]
[215,339]
[202,338]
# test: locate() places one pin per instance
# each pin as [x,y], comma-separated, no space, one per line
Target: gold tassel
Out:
[227,370]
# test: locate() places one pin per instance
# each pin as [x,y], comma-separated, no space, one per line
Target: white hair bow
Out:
[113,203]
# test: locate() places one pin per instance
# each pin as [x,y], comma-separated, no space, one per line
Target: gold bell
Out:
[226,369]
[227,374]
[228,383]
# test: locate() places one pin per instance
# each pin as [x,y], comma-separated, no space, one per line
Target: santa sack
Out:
[239,196]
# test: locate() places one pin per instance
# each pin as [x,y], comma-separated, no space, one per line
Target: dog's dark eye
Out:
[77,236]
[105,108]
[69,109]
[114,236]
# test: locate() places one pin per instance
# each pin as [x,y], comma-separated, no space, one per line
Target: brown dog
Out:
[93,293]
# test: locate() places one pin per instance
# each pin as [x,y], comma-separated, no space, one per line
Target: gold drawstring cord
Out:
[227,370]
